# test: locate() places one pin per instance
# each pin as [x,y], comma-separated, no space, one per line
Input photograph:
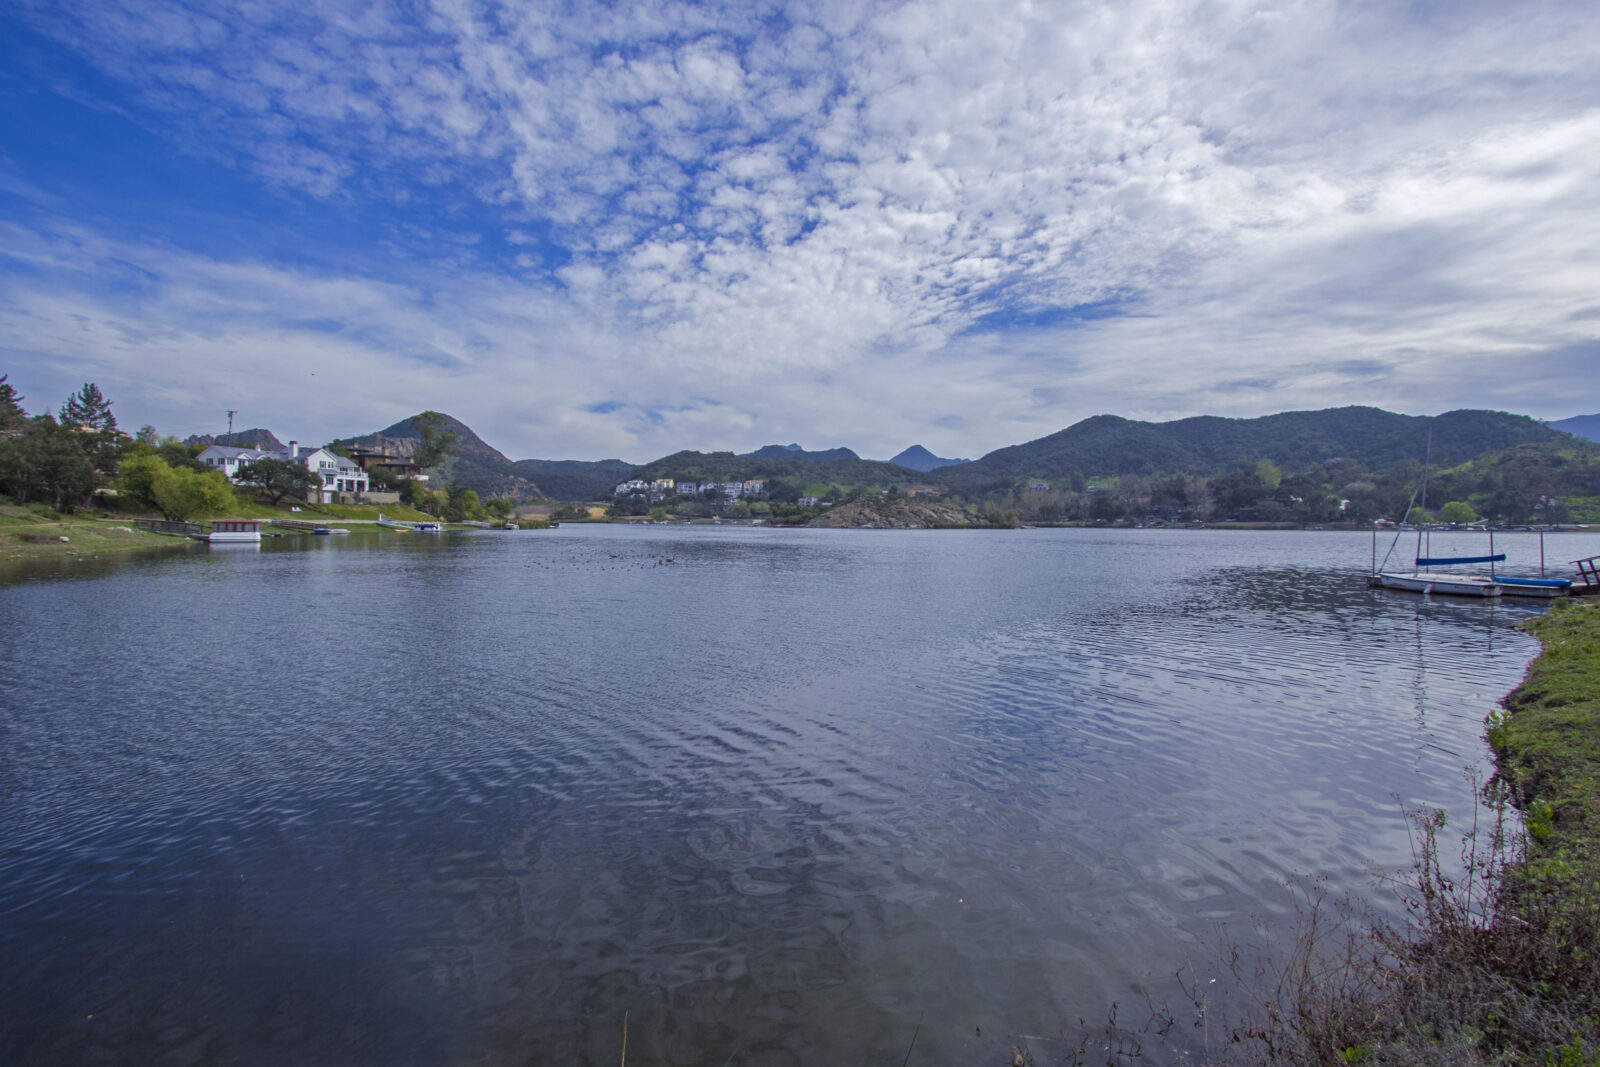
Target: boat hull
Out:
[1445,584]
[1543,588]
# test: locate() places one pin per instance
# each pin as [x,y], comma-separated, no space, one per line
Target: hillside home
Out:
[338,475]
[383,459]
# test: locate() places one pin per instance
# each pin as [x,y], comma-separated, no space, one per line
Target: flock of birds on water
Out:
[625,562]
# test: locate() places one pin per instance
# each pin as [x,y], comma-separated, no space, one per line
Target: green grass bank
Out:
[37,533]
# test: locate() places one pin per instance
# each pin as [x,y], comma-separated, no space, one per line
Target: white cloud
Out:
[817,224]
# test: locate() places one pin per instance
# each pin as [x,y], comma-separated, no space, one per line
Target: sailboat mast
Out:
[1422,507]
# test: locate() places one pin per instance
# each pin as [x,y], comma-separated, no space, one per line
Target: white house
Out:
[337,474]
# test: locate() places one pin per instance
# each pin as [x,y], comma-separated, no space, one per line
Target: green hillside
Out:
[725,466]
[1107,445]
[575,479]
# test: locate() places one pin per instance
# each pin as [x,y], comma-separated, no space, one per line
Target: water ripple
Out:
[470,799]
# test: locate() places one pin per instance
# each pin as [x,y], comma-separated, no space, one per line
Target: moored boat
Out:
[232,531]
[1447,584]
[1423,579]
[1543,588]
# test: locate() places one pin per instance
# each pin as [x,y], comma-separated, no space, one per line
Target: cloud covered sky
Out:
[621,229]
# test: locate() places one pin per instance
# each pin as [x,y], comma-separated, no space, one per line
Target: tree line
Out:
[61,459]
[1525,483]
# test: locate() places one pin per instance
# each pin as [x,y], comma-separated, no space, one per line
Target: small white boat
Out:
[427,527]
[233,531]
[1446,584]
[335,531]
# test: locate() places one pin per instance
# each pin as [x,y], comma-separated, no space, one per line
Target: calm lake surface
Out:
[776,795]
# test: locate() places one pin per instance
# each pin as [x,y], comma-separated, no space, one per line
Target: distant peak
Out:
[918,458]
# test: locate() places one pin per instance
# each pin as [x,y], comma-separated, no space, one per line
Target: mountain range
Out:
[1208,445]
[1101,446]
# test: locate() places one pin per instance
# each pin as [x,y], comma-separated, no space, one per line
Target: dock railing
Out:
[1589,569]
[182,529]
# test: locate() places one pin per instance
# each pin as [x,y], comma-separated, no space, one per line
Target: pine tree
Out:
[87,407]
[12,417]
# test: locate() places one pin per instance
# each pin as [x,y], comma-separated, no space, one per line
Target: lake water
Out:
[775,795]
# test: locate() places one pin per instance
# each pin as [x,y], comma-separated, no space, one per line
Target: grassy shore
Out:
[318,512]
[37,533]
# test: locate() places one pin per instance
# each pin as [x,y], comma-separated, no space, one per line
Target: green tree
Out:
[435,444]
[46,462]
[278,478]
[137,477]
[177,454]
[147,436]
[383,479]
[1269,473]
[178,493]
[1102,506]
[498,508]
[88,414]
[12,417]
[88,408]
[191,494]
[1458,512]
[1237,490]
[461,503]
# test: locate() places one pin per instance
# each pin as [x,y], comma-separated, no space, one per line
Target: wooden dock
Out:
[1587,583]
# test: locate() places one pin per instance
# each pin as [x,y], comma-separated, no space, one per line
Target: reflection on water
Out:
[776,795]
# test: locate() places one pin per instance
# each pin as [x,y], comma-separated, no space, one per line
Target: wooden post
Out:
[1541,553]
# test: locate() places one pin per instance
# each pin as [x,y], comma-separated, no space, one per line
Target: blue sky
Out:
[622,229]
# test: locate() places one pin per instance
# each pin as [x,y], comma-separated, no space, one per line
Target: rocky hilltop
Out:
[886,512]
[473,463]
[256,438]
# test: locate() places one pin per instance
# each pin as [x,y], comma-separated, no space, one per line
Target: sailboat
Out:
[1422,580]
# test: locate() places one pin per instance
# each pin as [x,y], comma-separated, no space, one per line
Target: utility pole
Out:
[231,414]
